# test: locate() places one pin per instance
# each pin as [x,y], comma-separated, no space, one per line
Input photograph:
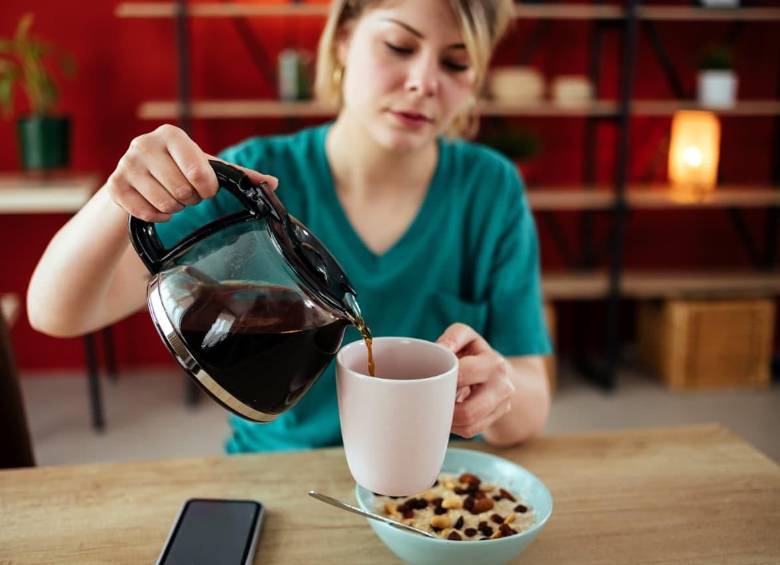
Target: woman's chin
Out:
[401,140]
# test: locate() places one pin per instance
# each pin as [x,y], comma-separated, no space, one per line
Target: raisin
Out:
[521,509]
[454,536]
[459,523]
[497,519]
[497,497]
[468,503]
[435,529]
[506,494]
[437,501]
[420,503]
[439,510]
[506,530]
[469,478]
[486,531]
[470,532]
[408,513]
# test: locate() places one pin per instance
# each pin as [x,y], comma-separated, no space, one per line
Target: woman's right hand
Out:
[162,172]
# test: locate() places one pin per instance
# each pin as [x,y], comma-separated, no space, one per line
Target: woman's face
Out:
[407,73]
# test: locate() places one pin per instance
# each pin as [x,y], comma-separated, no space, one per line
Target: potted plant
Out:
[717,86]
[29,63]
[518,144]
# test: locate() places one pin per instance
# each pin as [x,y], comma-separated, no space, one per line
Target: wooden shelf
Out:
[726,283]
[215,10]
[690,13]
[669,107]
[570,198]
[548,109]
[167,109]
[23,193]
[661,284]
[259,108]
[249,108]
[652,196]
[727,196]
[574,286]
[524,11]
[568,12]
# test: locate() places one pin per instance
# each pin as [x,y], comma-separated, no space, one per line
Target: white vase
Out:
[720,3]
[717,89]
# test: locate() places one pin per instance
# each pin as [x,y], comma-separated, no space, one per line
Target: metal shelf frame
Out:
[627,21]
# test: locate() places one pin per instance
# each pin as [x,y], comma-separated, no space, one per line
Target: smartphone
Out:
[214,532]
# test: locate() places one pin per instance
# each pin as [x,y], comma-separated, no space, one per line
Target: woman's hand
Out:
[485,387]
[162,172]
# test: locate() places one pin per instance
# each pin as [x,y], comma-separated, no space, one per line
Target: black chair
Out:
[15,445]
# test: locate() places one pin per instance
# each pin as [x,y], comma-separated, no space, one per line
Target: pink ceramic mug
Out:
[396,425]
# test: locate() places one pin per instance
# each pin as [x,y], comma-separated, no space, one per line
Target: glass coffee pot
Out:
[251,305]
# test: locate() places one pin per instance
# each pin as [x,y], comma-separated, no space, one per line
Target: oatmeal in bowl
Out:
[479,497]
[460,508]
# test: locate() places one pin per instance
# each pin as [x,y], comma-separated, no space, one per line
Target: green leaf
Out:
[23,29]
[28,62]
[6,94]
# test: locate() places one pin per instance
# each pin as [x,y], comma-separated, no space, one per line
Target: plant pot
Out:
[717,89]
[44,141]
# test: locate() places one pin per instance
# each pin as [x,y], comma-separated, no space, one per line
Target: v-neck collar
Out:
[406,241]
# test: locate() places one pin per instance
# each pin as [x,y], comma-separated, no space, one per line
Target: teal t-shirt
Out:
[470,255]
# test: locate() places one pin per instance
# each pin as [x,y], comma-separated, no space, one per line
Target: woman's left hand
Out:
[485,384]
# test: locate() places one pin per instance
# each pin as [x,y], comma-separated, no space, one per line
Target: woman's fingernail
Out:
[509,386]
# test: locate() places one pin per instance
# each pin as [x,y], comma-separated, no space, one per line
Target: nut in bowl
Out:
[472,481]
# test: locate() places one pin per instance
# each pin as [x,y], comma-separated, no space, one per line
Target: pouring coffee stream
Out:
[252,305]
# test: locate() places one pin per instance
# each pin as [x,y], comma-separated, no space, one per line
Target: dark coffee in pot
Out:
[263,344]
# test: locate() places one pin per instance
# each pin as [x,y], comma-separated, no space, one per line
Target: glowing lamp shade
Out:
[693,152]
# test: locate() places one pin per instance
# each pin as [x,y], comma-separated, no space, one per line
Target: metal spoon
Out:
[349,508]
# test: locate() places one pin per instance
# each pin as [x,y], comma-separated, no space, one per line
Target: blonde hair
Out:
[482,22]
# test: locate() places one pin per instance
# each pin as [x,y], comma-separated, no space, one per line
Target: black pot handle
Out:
[257,199]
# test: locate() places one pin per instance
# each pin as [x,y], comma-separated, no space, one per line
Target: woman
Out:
[435,233]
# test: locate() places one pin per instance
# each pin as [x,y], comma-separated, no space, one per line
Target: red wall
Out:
[124,61]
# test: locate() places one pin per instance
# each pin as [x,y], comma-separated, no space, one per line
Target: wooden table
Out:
[694,495]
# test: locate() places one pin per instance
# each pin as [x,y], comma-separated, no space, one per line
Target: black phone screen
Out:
[213,532]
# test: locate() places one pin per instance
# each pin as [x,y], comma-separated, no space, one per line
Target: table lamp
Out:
[693,152]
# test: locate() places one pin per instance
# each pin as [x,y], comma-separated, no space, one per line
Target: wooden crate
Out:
[693,344]
[549,361]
